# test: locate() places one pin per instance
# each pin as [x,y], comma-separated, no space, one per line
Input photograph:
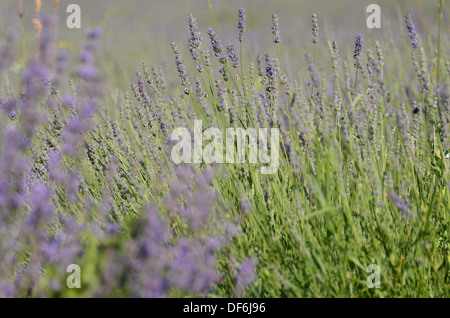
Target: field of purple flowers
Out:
[87,178]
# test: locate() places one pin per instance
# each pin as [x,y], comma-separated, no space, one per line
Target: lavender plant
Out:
[86,175]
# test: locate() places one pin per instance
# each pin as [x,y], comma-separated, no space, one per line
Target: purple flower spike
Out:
[233,56]
[196,38]
[315,29]
[412,32]
[358,50]
[241,24]
[215,43]
[276,29]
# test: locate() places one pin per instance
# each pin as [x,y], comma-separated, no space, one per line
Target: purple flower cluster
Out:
[196,38]
[400,205]
[412,32]
[276,29]
[357,55]
[335,55]
[66,189]
[241,24]
[27,193]
[87,71]
[315,29]
[233,56]
[107,197]
[181,69]
[217,46]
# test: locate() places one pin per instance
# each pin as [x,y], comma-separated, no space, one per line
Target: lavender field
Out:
[347,196]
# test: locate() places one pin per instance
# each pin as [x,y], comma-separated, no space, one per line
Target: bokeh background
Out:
[138,31]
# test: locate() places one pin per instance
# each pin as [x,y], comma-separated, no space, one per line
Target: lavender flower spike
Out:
[412,32]
[181,69]
[400,205]
[233,56]
[276,29]
[195,39]
[315,29]
[358,50]
[241,24]
[215,42]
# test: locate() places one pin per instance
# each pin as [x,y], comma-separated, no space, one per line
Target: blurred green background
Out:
[138,31]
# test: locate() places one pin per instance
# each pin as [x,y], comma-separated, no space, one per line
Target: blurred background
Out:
[138,31]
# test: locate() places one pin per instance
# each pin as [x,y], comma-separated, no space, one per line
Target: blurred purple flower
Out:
[241,24]
[276,29]
[315,29]
[412,32]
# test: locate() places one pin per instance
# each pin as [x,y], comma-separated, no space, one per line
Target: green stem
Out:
[314,53]
[356,79]
[279,57]
[241,61]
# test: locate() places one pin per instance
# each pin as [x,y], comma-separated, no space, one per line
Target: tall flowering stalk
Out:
[276,29]
[232,55]
[241,31]
[277,36]
[357,56]
[315,29]
[218,50]
[181,69]
[334,57]
[216,44]
[195,41]
[241,24]
[271,87]
[107,196]
[412,32]
[315,33]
